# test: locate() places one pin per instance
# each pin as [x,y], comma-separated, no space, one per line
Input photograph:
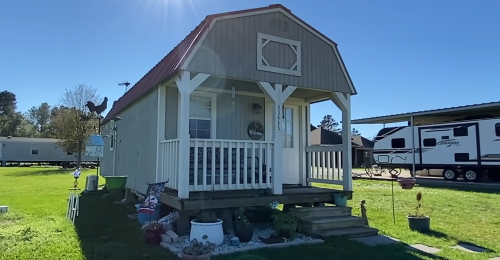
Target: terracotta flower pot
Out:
[196,257]
[407,183]
[153,236]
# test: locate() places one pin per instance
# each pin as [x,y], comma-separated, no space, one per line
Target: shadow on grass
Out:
[490,188]
[336,248]
[40,172]
[469,245]
[106,232]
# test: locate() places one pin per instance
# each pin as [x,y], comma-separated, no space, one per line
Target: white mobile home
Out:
[34,150]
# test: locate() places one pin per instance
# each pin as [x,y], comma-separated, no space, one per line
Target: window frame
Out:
[213,112]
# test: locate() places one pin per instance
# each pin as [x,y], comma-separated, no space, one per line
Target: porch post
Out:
[162,90]
[343,101]
[278,96]
[186,85]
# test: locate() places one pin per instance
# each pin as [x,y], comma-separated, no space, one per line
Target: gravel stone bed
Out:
[254,243]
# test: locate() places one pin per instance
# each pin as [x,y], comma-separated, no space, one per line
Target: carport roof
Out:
[450,111]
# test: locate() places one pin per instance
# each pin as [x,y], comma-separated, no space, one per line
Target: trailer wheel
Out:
[472,174]
[450,174]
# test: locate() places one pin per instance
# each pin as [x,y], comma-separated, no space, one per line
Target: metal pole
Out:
[393,209]
[413,145]
[98,160]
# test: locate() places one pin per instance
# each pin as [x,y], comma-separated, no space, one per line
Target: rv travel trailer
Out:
[470,148]
[36,150]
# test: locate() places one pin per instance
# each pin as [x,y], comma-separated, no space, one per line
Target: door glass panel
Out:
[288,125]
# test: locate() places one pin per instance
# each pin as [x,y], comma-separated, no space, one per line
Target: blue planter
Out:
[340,200]
[142,217]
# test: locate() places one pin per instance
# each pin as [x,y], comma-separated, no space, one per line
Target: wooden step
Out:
[322,211]
[347,232]
[314,224]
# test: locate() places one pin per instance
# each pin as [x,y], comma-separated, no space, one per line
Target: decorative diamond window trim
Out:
[263,64]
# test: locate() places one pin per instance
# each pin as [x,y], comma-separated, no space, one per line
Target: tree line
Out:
[329,123]
[69,120]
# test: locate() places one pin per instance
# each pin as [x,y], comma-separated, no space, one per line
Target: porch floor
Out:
[292,194]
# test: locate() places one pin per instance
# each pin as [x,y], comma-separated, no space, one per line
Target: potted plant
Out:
[198,250]
[340,199]
[407,183]
[285,225]
[152,232]
[243,229]
[419,221]
[206,222]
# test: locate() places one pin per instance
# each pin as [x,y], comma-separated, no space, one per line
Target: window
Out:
[429,142]
[113,133]
[288,128]
[460,131]
[497,129]
[69,153]
[398,143]
[34,149]
[462,157]
[201,114]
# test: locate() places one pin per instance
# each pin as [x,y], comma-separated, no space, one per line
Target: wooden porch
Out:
[292,195]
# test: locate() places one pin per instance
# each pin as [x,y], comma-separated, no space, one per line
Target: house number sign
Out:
[279,117]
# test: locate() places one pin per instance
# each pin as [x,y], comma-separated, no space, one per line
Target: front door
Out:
[291,132]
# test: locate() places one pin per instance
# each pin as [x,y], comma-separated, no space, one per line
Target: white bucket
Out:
[4,209]
[212,230]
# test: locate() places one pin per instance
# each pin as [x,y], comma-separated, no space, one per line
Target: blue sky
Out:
[402,56]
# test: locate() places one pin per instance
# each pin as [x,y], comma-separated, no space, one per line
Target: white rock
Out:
[172,235]
[252,244]
[166,239]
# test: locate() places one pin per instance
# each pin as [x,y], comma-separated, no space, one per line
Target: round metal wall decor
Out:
[255,130]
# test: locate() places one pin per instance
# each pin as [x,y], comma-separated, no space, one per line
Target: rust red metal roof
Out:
[174,60]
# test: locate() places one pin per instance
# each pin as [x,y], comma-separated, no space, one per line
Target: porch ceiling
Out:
[226,84]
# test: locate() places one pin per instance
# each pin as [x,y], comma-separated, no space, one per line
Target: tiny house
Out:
[35,150]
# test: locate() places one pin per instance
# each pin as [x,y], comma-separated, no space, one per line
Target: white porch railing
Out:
[230,164]
[325,164]
[169,162]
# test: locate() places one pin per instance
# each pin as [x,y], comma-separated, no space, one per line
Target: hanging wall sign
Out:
[255,130]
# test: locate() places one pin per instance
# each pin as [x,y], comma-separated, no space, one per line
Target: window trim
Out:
[213,111]
[37,149]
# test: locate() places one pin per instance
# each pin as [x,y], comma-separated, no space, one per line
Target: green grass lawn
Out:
[36,228]
[456,216]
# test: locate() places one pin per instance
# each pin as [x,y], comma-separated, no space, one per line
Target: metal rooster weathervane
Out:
[97,109]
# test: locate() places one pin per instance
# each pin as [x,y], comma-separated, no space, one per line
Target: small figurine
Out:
[363,213]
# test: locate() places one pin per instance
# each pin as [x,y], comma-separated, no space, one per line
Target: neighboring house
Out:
[362,148]
[229,109]
[43,150]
